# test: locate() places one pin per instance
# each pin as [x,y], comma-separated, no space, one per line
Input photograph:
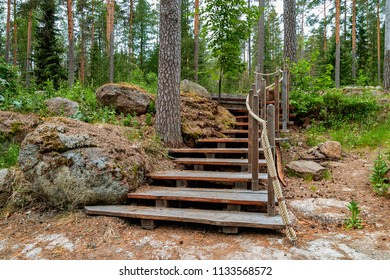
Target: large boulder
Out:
[307,169]
[62,106]
[72,164]
[15,126]
[187,86]
[5,191]
[125,98]
[202,118]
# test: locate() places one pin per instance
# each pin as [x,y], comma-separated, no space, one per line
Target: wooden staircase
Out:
[214,187]
[223,182]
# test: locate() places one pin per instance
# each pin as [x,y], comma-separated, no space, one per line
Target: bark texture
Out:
[386,72]
[15,57]
[290,34]
[353,39]
[196,41]
[71,43]
[261,36]
[8,32]
[168,119]
[110,6]
[28,52]
[337,64]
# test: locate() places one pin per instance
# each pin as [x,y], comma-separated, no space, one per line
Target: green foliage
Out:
[148,119]
[353,222]
[9,155]
[378,179]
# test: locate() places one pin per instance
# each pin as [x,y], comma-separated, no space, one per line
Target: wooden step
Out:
[213,176]
[235,196]
[235,131]
[223,140]
[209,217]
[241,124]
[216,161]
[209,151]
[242,117]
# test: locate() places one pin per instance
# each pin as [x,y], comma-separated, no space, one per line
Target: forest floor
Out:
[37,234]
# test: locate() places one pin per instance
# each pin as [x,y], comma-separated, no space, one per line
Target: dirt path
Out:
[319,209]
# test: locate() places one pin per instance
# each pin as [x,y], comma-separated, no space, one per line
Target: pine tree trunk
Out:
[249,47]
[131,19]
[8,32]
[71,43]
[386,61]
[290,35]
[82,51]
[196,41]
[93,25]
[168,122]
[28,52]
[353,39]
[378,35]
[261,37]
[110,37]
[337,65]
[325,36]
[15,47]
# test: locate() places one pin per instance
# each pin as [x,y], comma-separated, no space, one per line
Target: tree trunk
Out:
[261,37]
[168,122]
[353,39]
[378,35]
[28,52]
[71,43]
[325,36]
[110,37]
[93,25]
[386,61]
[249,47]
[82,46]
[8,32]
[15,58]
[302,36]
[337,66]
[290,35]
[131,19]
[196,41]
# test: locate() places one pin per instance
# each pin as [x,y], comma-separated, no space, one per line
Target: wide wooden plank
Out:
[214,176]
[210,150]
[241,124]
[235,196]
[235,131]
[216,161]
[209,217]
[223,140]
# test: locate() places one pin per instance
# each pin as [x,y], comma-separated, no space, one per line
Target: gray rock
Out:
[62,106]
[188,86]
[5,191]
[326,211]
[125,98]
[331,149]
[305,168]
[15,126]
[72,164]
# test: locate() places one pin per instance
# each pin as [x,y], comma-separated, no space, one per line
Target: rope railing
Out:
[267,149]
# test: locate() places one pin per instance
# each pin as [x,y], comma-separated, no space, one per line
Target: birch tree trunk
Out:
[168,121]
[386,61]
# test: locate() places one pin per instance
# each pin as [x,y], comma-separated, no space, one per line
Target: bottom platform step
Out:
[209,217]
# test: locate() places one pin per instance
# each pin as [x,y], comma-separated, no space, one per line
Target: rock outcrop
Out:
[15,126]
[72,164]
[187,86]
[305,168]
[125,98]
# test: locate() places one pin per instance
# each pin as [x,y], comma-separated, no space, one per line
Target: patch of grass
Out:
[9,155]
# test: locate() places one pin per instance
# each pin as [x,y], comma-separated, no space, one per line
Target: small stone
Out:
[331,149]
[306,168]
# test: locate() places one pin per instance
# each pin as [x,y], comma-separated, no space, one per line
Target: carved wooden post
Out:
[271,137]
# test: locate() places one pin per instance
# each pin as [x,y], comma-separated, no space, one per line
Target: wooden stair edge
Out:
[210,217]
[216,161]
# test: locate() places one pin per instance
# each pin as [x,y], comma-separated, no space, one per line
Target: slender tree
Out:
[15,47]
[337,30]
[110,7]
[131,43]
[168,121]
[29,39]
[71,42]
[378,36]
[325,27]
[386,61]
[261,37]
[8,32]
[196,41]
[353,39]
[290,35]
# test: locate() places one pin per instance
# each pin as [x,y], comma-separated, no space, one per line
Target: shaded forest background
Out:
[92,42]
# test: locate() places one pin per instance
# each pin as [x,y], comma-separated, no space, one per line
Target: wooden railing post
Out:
[263,97]
[284,101]
[277,106]
[255,139]
[251,123]
[271,137]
